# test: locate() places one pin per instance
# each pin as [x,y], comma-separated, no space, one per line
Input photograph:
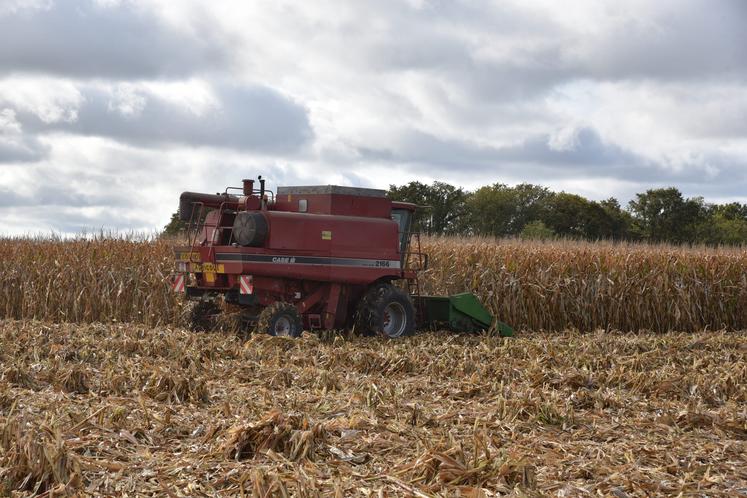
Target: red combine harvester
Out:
[320,257]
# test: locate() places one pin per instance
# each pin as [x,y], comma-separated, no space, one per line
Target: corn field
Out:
[589,286]
[102,280]
[530,285]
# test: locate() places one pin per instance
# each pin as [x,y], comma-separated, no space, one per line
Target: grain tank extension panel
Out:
[459,312]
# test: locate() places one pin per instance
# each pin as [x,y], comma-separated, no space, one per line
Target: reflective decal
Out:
[178,283]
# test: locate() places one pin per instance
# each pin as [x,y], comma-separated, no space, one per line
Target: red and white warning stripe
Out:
[178,283]
[245,284]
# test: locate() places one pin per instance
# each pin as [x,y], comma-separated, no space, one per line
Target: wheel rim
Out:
[395,319]
[283,327]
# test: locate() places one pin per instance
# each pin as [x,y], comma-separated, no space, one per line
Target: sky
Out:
[109,109]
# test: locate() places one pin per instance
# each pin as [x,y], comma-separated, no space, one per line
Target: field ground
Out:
[132,410]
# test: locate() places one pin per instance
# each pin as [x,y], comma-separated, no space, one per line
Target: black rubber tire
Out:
[250,229]
[203,316]
[386,310]
[363,310]
[280,319]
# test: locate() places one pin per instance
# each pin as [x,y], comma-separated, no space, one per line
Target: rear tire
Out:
[386,310]
[363,311]
[280,319]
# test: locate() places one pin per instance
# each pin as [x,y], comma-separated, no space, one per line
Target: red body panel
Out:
[336,236]
[336,204]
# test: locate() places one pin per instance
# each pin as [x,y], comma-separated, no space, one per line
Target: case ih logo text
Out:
[284,260]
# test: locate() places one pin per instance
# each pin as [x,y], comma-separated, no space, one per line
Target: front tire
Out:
[281,320]
[388,311]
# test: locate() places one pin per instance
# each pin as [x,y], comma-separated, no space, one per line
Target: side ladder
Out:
[416,261]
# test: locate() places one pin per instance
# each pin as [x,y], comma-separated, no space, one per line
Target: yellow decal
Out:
[326,234]
[289,197]
[207,268]
[209,277]
[190,256]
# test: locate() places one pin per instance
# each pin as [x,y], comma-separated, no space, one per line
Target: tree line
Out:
[533,211]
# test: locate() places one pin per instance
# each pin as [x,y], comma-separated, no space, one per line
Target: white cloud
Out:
[50,99]
[127,100]
[250,117]
[14,145]
[8,123]
[602,98]
[15,6]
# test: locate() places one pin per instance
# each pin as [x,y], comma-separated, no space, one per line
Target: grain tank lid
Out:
[331,190]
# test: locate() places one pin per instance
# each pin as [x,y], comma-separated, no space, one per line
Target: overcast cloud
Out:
[110,108]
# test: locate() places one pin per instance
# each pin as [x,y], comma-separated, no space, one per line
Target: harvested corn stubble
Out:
[561,414]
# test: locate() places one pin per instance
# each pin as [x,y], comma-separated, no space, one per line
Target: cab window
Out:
[403,218]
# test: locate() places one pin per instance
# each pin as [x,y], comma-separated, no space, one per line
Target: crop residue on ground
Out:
[127,409]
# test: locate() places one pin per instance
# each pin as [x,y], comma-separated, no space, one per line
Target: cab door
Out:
[403,218]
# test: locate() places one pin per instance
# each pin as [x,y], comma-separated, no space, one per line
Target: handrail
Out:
[254,191]
[196,222]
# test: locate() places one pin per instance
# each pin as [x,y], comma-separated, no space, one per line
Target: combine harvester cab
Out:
[311,257]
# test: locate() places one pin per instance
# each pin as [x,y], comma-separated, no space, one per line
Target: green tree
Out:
[664,215]
[568,215]
[725,224]
[731,211]
[530,205]
[619,221]
[445,203]
[490,210]
[501,210]
[174,227]
[726,232]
